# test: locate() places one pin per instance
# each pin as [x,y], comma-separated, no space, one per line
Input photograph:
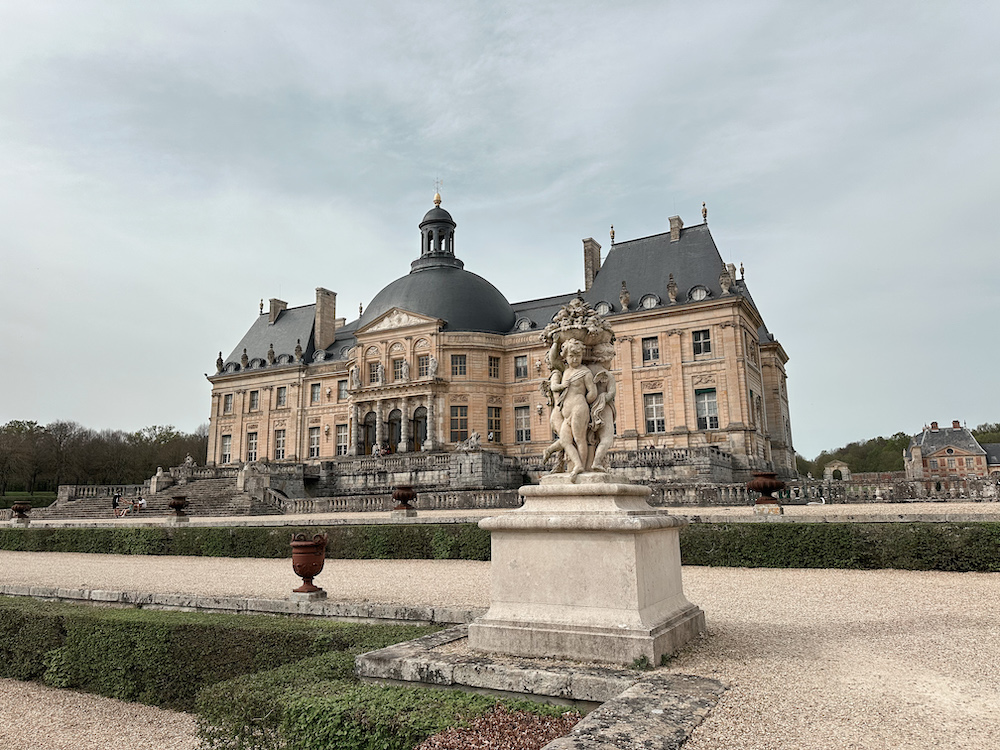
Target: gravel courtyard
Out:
[814,658]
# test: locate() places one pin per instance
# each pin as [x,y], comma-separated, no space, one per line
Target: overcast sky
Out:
[164,166]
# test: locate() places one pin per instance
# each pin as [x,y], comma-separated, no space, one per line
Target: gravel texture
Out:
[824,659]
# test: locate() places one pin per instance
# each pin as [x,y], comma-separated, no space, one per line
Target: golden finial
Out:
[261,305]
[612,234]
[704,212]
[437,192]
[437,199]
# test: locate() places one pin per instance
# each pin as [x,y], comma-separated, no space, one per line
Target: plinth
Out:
[586,571]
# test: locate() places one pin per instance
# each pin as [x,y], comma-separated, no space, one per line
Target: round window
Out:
[602,308]
[649,301]
[699,293]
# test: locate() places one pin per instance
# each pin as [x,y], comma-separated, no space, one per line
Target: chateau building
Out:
[440,354]
[950,453]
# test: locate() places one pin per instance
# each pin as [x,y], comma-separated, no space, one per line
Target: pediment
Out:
[943,452]
[397,318]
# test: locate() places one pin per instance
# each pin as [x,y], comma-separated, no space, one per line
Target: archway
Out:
[395,429]
[838,474]
[368,432]
[419,428]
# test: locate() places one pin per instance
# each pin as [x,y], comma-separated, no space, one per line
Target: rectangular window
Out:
[650,349]
[281,397]
[707,409]
[397,369]
[458,365]
[314,442]
[342,390]
[341,439]
[227,403]
[314,393]
[494,367]
[702,342]
[459,423]
[652,404]
[968,462]
[521,366]
[279,445]
[254,400]
[227,449]
[493,423]
[373,373]
[934,464]
[424,365]
[522,424]
[251,446]
[951,463]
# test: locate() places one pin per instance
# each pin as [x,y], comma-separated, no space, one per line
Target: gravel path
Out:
[822,659]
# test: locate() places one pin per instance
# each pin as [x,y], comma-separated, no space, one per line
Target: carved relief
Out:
[460,399]
[422,344]
[522,399]
[372,351]
[397,347]
[395,319]
[652,385]
[315,420]
[704,380]
[494,400]
[252,426]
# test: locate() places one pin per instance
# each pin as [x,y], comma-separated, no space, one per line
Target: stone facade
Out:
[698,374]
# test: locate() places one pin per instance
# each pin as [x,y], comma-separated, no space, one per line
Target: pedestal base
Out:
[403,513]
[586,571]
[310,596]
[22,522]
[768,509]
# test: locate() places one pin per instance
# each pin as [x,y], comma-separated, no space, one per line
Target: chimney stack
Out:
[955,424]
[934,427]
[591,262]
[676,225]
[277,306]
[325,329]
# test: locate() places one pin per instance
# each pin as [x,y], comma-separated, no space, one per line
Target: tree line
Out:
[38,458]
[880,453]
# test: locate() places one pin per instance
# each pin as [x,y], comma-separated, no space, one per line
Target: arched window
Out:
[419,430]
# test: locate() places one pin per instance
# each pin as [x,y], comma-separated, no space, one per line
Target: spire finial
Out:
[360,309]
[261,305]
[612,234]
[704,212]
[437,192]
[741,271]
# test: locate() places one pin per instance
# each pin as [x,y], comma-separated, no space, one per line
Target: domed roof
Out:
[466,301]
[437,214]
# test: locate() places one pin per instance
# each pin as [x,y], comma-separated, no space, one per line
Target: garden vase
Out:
[308,556]
[404,495]
[765,482]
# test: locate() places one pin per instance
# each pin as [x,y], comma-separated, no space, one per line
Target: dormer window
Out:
[698,293]
[649,301]
[602,308]
[523,324]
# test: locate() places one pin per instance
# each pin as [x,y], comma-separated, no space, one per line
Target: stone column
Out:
[679,395]
[379,427]
[352,449]
[431,442]
[404,427]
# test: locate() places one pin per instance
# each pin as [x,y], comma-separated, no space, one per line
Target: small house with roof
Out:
[949,453]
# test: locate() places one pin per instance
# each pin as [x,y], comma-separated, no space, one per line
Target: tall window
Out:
[494,367]
[521,366]
[281,397]
[707,409]
[458,365]
[314,393]
[650,349]
[951,463]
[424,365]
[314,442]
[227,449]
[397,369]
[653,406]
[459,423]
[934,464]
[342,390]
[493,423]
[522,424]
[968,462]
[227,403]
[254,400]
[279,445]
[373,372]
[702,342]
[251,446]
[341,439]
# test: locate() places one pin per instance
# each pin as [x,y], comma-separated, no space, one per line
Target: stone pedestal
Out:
[586,571]
[400,514]
[768,509]
[307,596]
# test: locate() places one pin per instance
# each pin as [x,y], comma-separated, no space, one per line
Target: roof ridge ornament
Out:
[704,212]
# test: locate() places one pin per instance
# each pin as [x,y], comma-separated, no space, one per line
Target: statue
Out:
[432,367]
[472,443]
[355,377]
[188,461]
[581,390]
[379,373]
[219,363]
[406,370]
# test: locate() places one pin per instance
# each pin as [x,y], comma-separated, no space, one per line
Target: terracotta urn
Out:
[178,504]
[308,556]
[765,482]
[403,495]
[21,510]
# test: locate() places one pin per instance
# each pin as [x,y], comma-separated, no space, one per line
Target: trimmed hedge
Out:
[396,542]
[958,547]
[906,546]
[164,658]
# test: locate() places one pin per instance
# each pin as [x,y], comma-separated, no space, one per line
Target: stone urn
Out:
[308,557]
[766,482]
[21,510]
[403,495]
[178,503]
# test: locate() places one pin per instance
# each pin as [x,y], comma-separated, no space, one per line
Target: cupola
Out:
[437,239]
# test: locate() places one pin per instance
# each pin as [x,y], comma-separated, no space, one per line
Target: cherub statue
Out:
[574,391]
[602,413]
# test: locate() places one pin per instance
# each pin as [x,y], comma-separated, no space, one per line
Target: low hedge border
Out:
[946,546]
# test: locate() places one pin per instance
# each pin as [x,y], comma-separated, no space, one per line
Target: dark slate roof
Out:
[293,324]
[931,442]
[465,301]
[540,311]
[992,453]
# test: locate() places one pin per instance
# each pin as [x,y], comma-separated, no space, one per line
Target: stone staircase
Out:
[206,497]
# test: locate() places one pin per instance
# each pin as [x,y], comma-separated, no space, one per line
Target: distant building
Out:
[950,453]
[440,354]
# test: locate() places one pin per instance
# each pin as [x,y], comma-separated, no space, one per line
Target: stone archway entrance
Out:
[833,468]
[418,427]
[368,432]
[395,429]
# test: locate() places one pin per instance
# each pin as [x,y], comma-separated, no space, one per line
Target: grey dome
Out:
[437,214]
[466,301]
